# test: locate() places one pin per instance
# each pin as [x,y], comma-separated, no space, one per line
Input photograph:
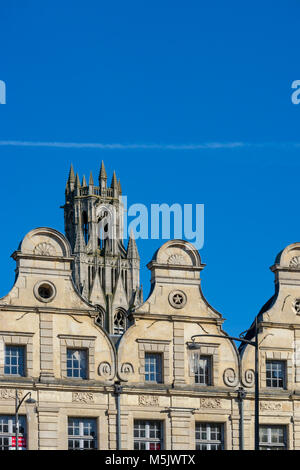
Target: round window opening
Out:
[297,306]
[177,299]
[44,291]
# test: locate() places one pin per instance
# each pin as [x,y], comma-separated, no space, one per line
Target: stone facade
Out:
[153,388]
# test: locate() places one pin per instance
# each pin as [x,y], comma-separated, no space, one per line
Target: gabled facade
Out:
[155,388]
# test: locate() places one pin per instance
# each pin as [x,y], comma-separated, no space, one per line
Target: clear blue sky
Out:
[169,73]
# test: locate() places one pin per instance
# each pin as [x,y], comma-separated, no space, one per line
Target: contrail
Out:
[150,146]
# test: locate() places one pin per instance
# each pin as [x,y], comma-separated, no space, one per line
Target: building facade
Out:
[151,389]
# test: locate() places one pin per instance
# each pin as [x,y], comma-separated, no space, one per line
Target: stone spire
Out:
[119,187]
[83,184]
[71,175]
[114,182]
[71,180]
[132,250]
[80,246]
[102,178]
[91,180]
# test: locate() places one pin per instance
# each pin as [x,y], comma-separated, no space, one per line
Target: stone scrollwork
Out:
[230,377]
[248,378]
[105,370]
[127,368]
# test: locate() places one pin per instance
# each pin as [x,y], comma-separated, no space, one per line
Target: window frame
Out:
[158,372]
[147,440]
[86,359]
[11,432]
[272,379]
[81,437]
[24,368]
[196,367]
[269,445]
[209,442]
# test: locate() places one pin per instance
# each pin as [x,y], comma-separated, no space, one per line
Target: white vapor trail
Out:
[137,146]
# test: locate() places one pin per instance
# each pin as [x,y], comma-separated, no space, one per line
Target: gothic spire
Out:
[114,182]
[119,186]
[80,245]
[102,174]
[77,182]
[132,251]
[91,180]
[71,178]
[83,182]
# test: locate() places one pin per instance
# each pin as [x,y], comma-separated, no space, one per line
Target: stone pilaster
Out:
[47,427]
[46,348]
[181,428]
[178,352]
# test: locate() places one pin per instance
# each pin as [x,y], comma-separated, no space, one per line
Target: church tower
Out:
[105,273]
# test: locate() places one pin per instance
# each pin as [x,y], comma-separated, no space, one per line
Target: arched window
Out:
[100,319]
[85,227]
[119,322]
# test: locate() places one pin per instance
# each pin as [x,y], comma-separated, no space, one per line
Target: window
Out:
[8,433]
[272,438]
[14,360]
[82,434]
[209,436]
[119,323]
[275,374]
[148,435]
[202,369]
[153,367]
[77,363]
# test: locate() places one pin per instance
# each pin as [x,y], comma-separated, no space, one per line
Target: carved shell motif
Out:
[295,262]
[176,259]
[44,249]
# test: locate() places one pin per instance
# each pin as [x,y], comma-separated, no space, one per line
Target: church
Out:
[86,363]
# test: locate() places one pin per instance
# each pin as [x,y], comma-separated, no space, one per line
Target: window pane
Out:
[147,435]
[77,363]
[85,431]
[209,436]
[153,367]
[14,360]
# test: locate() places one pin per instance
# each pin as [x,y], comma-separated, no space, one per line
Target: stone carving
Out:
[83,397]
[177,299]
[176,259]
[295,262]
[210,403]
[230,378]
[148,400]
[297,306]
[268,405]
[104,369]
[44,249]
[9,394]
[248,378]
[127,368]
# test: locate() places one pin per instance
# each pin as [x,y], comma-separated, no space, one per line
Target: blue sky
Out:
[169,73]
